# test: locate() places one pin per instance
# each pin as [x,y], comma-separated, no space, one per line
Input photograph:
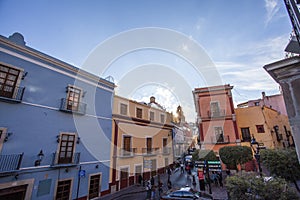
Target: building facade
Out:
[54,139]
[142,141]
[270,128]
[215,117]
[275,102]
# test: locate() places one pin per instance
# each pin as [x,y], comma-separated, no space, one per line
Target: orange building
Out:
[141,141]
[216,117]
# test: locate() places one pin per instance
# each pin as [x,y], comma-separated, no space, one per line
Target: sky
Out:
[161,48]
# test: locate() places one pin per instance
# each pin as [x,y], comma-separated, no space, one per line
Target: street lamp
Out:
[256,151]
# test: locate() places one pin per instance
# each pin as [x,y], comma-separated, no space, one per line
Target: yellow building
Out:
[266,125]
[141,141]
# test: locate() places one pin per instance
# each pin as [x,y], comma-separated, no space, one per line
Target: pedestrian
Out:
[148,190]
[169,185]
[182,168]
[140,179]
[220,179]
[152,180]
[153,192]
[160,190]
[169,173]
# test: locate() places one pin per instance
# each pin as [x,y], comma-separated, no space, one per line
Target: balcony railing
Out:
[220,140]
[246,139]
[127,152]
[166,150]
[11,94]
[80,108]
[10,163]
[150,151]
[218,113]
[65,161]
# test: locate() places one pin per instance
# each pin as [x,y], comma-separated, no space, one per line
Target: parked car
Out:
[180,194]
[186,193]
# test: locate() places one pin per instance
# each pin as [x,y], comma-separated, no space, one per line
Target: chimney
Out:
[263,95]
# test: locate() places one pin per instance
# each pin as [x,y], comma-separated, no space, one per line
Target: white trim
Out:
[53,108]
[52,68]
[48,166]
[100,183]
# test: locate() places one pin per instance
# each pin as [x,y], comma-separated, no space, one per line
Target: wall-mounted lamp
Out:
[16,176]
[78,140]
[40,158]
[24,75]
[57,138]
[7,136]
[97,166]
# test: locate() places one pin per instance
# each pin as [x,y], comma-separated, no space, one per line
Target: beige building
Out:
[141,141]
[268,126]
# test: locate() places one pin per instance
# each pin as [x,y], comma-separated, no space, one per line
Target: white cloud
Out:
[272,7]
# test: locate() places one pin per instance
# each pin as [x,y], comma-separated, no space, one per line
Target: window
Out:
[166,161]
[246,134]
[256,103]
[66,149]
[139,113]
[151,115]
[73,98]
[124,173]
[162,118]
[165,148]
[94,189]
[219,134]
[214,109]
[260,128]
[123,109]
[63,190]
[149,145]
[126,145]
[9,79]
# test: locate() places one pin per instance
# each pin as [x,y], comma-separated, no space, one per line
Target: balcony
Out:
[216,114]
[166,150]
[150,151]
[65,161]
[10,163]
[246,139]
[11,94]
[127,153]
[220,140]
[78,108]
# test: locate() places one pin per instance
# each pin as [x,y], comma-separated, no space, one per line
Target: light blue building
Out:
[55,126]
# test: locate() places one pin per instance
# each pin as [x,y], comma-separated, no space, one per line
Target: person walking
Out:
[152,180]
[160,190]
[148,190]
[182,167]
[220,179]
[153,192]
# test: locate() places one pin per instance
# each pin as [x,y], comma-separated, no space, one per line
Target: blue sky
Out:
[240,37]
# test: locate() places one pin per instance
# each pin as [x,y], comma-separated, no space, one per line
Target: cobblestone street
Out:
[178,180]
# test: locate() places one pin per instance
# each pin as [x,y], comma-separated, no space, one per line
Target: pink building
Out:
[275,102]
[216,117]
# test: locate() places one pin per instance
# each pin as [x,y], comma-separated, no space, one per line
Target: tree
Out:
[204,155]
[234,155]
[283,163]
[250,186]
